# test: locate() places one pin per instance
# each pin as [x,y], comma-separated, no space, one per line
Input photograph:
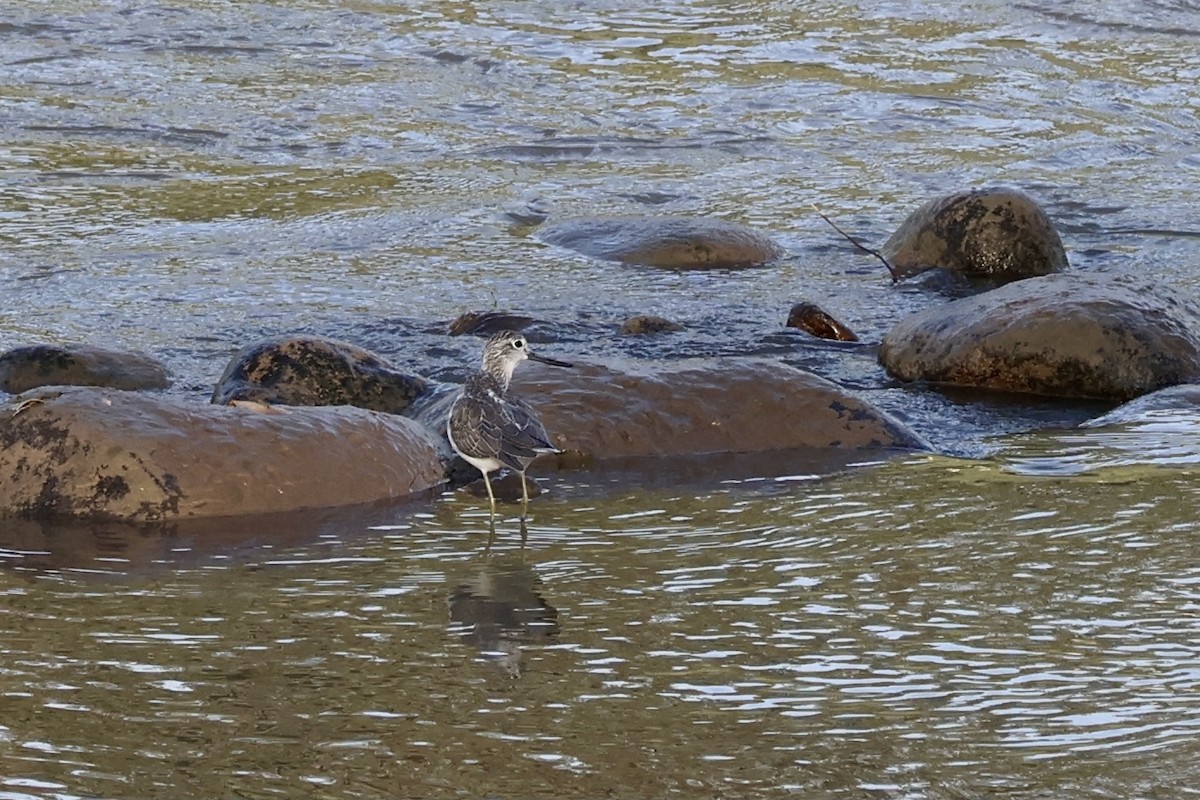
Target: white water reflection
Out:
[1158,439]
[712,657]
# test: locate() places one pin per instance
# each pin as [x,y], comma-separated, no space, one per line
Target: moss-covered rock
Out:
[314,371]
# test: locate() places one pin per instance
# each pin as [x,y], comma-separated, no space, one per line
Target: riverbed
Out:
[1014,614]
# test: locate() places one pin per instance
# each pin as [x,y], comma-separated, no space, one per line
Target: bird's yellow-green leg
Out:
[492,502]
[524,497]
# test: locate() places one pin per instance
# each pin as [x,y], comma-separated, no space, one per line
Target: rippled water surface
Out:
[182,179]
[943,629]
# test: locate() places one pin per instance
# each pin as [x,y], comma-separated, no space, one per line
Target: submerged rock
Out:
[314,371]
[644,324]
[669,242]
[102,453]
[997,233]
[90,453]
[25,368]
[488,322]
[813,319]
[129,545]
[1058,335]
[1182,400]
[732,405]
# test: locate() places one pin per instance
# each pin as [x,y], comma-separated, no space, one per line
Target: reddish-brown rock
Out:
[730,405]
[84,452]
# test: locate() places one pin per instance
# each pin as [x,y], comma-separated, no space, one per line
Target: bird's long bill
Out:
[551,361]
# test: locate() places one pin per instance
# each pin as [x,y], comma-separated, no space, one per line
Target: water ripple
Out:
[1023,624]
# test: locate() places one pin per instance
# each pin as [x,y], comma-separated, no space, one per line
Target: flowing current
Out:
[1016,616]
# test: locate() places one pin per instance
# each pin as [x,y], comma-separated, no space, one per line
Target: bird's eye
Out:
[518,343]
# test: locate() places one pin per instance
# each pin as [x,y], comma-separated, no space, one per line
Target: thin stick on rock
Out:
[864,248]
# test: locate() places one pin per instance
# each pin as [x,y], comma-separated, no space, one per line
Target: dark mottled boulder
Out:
[314,371]
[1060,335]
[813,319]
[730,405]
[644,324]
[101,453]
[669,242]
[25,368]
[997,233]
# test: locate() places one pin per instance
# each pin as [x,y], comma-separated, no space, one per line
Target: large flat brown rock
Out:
[86,452]
[597,412]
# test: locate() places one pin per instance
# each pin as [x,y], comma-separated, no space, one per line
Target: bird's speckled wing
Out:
[485,424]
[523,435]
[473,426]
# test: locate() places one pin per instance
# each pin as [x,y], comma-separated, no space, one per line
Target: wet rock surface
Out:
[90,453]
[103,453]
[731,406]
[668,242]
[314,371]
[735,405]
[1069,336]
[645,324]
[25,368]
[482,323]
[811,318]
[1164,403]
[998,233]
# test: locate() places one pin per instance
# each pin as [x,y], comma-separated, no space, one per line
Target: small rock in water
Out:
[480,322]
[813,319]
[667,242]
[646,323]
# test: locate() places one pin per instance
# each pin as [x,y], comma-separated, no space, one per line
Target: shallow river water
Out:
[1017,616]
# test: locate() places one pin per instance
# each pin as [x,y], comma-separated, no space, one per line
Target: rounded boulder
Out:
[25,368]
[997,233]
[315,371]
[1059,335]
[102,453]
[598,412]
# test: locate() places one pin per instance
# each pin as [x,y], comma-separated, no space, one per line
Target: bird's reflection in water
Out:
[496,605]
